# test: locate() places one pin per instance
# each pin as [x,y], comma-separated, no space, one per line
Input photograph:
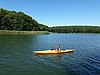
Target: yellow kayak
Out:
[53,52]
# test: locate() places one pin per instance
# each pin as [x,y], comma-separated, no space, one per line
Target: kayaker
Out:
[52,48]
[58,49]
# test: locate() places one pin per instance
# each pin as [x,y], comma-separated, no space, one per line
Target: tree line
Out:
[75,29]
[12,20]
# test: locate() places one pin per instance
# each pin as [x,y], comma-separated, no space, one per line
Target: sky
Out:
[57,12]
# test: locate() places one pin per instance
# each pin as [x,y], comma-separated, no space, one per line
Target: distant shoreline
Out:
[72,33]
[23,32]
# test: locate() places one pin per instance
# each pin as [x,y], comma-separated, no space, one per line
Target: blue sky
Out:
[58,12]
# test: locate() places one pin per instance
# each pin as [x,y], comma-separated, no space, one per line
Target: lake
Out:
[17,54]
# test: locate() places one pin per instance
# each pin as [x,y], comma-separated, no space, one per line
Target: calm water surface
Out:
[17,54]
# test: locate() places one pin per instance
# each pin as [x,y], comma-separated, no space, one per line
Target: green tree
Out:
[12,20]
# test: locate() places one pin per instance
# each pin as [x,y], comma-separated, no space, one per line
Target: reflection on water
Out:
[55,57]
[49,55]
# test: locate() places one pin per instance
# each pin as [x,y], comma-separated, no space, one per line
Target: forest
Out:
[75,29]
[12,20]
[18,21]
